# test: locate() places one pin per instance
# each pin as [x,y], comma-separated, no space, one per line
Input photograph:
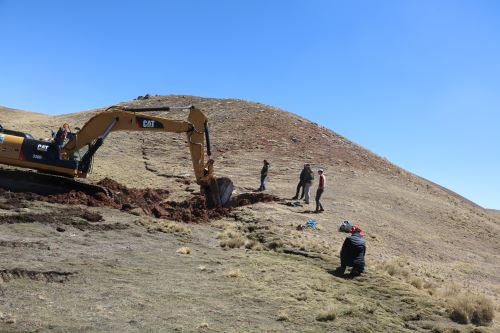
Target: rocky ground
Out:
[73,264]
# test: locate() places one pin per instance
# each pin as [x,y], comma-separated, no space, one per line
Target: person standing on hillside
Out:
[308,179]
[319,191]
[263,175]
[353,253]
[300,185]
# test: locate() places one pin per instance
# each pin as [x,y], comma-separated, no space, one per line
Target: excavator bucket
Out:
[218,192]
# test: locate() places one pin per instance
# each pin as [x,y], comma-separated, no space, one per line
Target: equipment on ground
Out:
[56,165]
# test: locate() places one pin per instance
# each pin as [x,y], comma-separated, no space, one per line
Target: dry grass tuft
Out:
[163,226]
[283,316]
[450,290]
[417,282]
[329,314]
[231,239]
[184,250]
[440,328]
[396,268]
[464,308]
[469,308]
[234,273]
[234,243]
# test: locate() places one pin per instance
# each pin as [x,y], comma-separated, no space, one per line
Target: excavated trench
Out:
[152,202]
[80,219]
[24,244]
[7,275]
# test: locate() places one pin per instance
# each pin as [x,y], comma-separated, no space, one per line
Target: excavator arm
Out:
[118,118]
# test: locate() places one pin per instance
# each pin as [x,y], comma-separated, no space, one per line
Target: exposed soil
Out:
[77,218]
[251,198]
[151,201]
[13,203]
[194,210]
[7,275]
[123,198]
[92,216]
[24,244]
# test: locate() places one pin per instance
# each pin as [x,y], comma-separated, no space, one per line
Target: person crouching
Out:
[353,253]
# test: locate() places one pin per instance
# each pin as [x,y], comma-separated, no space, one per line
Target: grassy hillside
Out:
[426,245]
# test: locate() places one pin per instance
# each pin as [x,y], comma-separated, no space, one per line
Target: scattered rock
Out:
[92,216]
[184,250]
[137,211]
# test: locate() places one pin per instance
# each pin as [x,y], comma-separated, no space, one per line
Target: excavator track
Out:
[31,181]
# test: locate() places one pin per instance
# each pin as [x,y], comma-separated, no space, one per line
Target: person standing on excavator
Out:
[59,138]
[61,135]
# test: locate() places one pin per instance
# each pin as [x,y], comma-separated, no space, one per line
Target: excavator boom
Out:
[21,150]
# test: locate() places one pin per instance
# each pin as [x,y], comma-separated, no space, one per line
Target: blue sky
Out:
[415,81]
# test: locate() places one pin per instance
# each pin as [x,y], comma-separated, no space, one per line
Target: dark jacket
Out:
[308,175]
[353,252]
[302,175]
[60,136]
[265,169]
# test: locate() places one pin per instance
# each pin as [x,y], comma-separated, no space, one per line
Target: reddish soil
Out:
[123,198]
[194,210]
[250,198]
[151,201]
[59,219]
[12,203]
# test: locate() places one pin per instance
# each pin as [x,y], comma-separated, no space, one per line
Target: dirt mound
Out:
[80,219]
[12,203]
[194,210]
[151,201]
[123,198]
[251,198]
[92,216]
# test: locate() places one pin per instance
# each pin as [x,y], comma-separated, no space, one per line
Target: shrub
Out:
[328,314]
[396,268]
[235,273]
[469,308]
[282,316]
[232,243]
[444,329]
[417,283]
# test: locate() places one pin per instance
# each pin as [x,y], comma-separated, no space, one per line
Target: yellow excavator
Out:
[57,163]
